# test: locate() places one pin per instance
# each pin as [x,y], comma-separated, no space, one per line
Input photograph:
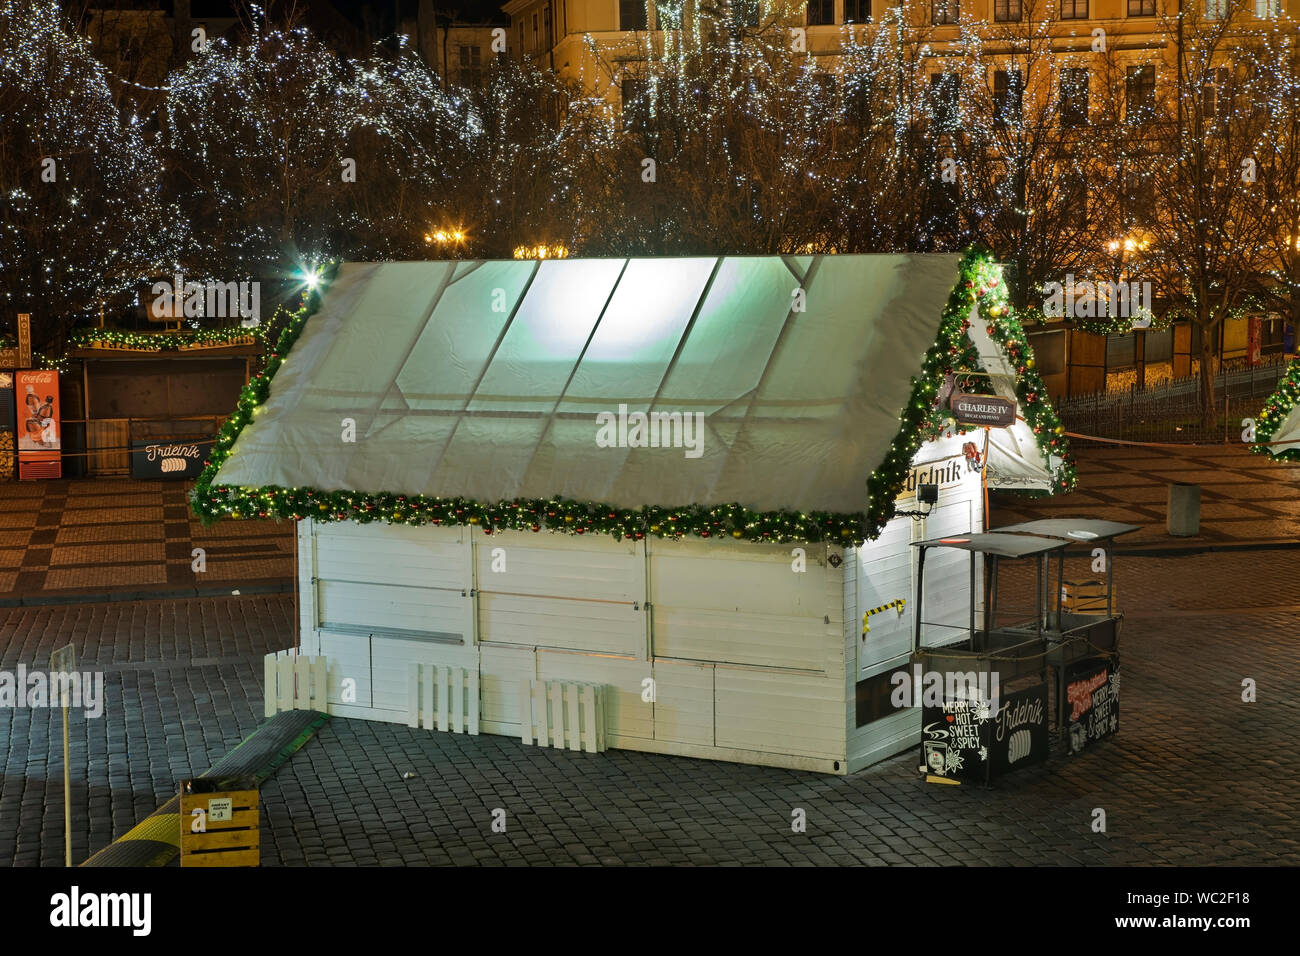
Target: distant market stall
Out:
[153,401]
[691,483]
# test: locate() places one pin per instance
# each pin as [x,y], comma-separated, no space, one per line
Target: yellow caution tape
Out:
[884,607]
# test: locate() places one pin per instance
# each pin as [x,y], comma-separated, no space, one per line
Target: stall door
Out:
[385,597]
[882,575]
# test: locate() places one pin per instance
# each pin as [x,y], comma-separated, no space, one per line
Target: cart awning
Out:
[1002,545]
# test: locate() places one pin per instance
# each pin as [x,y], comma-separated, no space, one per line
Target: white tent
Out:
[1278,423]
[484,379]
[428,394]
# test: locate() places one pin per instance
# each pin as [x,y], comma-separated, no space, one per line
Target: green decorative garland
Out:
[980,281]
[1274,413]
[162,341]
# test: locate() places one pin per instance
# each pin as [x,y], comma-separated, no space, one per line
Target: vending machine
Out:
[36,395]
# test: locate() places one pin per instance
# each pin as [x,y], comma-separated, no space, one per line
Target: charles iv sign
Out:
[988,411]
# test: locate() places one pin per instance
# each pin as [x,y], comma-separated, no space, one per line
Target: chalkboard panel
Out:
[1018,736]
[168,459]
[953,738]
[1091,700]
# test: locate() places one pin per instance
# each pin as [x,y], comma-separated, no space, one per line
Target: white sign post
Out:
[63,661]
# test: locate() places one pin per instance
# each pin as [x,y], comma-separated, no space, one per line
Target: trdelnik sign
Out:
[168,459]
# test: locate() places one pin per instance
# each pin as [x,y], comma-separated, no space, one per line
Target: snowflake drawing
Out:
[952,761]
[1114,685]
[984,753]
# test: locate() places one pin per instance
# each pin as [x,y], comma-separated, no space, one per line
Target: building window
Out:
[521,37]
[1138,201]
[471,66]
[1140,94]
[632,15]
[636,106]
[668,14]
[1008,96]
[857,11]
[1141,8]
[1216,9]
[1074,198]
[947,11]
[745,13]
[1007,11]
[826,87]
[1268,9]
[546,28]
[857,100]
[1074,9]
[821,13]
[1074,96]
[945,91]
[1215,96]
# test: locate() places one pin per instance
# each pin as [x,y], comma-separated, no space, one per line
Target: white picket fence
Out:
[445,697]
[556,713]
[295,681]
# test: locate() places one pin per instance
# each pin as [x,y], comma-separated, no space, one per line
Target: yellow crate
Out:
[1086,597]
[232,842]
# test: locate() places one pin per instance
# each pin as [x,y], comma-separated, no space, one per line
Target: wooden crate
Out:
[1087,597]
[215,842]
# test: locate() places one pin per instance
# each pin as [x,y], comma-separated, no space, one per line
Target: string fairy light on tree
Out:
[72,168]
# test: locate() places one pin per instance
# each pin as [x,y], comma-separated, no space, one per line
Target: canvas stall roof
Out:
[1015,460]
[494,379]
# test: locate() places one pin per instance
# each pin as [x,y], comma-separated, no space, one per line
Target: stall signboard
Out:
[8,439]
[36,395]
[986,410]
[1091,700]
[954,738]
[1019,737]
[24,339]
[168,459]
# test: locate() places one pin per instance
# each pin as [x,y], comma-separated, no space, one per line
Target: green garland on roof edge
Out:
[1274,413]
[979,280]
[161,341]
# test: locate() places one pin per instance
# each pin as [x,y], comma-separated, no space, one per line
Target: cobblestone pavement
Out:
[182,686]
[1195,775]
[113,534]
[1244,497]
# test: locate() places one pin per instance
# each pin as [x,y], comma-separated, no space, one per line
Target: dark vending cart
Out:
[1088,685]
[993,698]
